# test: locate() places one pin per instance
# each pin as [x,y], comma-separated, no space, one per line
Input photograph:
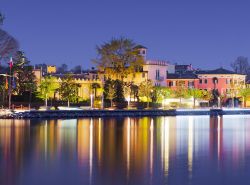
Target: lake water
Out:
[180,150]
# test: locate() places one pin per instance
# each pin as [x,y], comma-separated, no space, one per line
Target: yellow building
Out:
[86,86]
[85,81]
[51,69]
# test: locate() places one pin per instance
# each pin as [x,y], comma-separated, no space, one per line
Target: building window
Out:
[143,75]
[157,84]
[157,74]
[181,83]
[190,84]
[205,81]
[200,81]
[170,84]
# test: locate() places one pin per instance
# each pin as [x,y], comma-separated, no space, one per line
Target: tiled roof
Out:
[140,47]
[76,76]
[216,71]
[182,76]
[182,67]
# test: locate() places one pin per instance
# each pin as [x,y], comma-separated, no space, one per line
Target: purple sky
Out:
[208,34]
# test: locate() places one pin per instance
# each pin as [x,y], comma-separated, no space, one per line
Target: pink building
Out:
[222,80]
[186,80]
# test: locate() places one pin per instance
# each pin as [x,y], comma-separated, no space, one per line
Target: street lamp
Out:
[102,101]
[91,101]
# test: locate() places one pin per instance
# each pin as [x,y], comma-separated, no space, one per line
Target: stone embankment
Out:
[65,114]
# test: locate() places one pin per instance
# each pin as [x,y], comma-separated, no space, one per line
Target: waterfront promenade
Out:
[29,114]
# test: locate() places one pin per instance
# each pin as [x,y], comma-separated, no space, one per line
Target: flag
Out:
[6,82]
[11,63]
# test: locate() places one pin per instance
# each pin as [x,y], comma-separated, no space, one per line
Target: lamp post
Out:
[10,91]
[10,82]
[102,101]
[91,101]
[128,99]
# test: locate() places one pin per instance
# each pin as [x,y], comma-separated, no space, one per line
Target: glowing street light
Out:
[128,99]
[91,101]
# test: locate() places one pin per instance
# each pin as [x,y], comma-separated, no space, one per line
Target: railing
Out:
[20,107]
[6,112]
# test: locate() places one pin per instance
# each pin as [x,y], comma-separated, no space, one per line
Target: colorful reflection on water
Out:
[161,150]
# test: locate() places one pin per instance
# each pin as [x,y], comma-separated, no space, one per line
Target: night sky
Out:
[208,34]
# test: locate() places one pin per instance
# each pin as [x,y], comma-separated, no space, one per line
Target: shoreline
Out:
[68,114]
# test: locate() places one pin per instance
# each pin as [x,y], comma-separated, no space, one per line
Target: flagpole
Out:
[3,97]
[10,91]
[10,84]
[3,88]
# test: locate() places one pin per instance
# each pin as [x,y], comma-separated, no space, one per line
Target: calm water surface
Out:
[179,150]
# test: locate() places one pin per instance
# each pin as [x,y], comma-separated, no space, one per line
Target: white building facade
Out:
[157,70]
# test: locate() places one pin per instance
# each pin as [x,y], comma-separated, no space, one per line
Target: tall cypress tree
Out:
[119,93]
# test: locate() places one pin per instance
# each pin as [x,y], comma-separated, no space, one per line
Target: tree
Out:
[127,91]
[25,77]
[69,89]
[161,93]
[8,44]
[223,98]
[119,93]
[135,92]
[235,88]
[145,89]
[245,94]
[119,58]
[3,88]
[207,95]
[241,65]
[181,92]
[77,69]
[47,88]
[109,90]
[195,93]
